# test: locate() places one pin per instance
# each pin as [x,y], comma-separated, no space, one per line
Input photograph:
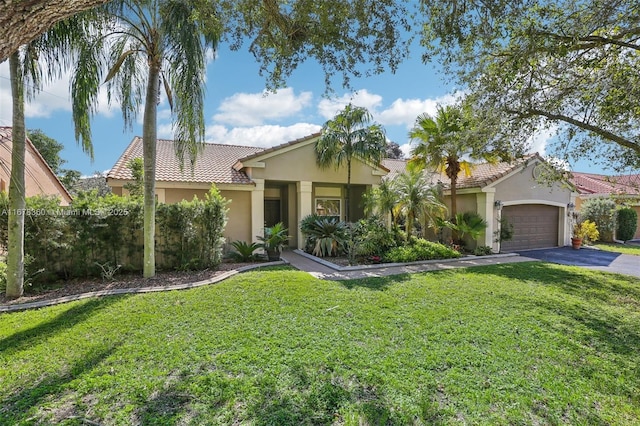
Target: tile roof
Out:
[591,183]
[277,147]
[214,163]
[482,174]
[39,178]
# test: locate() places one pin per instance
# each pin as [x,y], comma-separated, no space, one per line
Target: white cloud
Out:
[405,111]
[539,141]
[253,109]
[262,136]
[328,108]
[406,150]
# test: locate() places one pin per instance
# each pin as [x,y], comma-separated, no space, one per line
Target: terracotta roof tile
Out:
[213,165]
[277,147]
[482,174]
[591,183]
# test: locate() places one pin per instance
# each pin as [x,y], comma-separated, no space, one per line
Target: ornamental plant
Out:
[586,230]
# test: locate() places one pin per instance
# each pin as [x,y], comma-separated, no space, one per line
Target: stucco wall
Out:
[300,165]
[522,186]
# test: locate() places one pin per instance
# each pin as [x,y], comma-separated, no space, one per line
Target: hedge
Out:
[73,241]
[627,223]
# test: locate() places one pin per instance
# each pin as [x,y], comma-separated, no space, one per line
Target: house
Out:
[624,188]
[265,186]
[540,214]
[39,178]
[285,184]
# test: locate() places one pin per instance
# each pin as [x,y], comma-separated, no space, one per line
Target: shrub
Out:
[601,211]
[420,249]
[3,277]
[586,230]
[75,241]
[245,252]
[372,238]
[325,236]
[627,223]
[483,251]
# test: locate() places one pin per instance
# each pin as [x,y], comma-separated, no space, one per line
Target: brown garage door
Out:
[534,226]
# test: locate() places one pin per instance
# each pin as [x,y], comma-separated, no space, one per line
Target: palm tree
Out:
[444,142]
[147,43]
[383,198]
[348,135]
[418,199]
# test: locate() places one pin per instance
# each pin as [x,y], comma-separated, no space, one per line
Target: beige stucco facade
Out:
[286,185]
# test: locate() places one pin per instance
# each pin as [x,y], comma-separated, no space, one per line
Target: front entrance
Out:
[272,212]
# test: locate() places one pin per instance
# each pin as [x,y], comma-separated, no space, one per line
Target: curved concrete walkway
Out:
[323,269]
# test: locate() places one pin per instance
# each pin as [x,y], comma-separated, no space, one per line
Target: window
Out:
[329,207]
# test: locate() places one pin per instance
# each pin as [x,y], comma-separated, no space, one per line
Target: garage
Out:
[534,226]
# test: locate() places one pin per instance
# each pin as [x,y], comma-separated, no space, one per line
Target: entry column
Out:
[304,191]
[257,209]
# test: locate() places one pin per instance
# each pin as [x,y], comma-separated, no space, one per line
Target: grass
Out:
[522,343]
[633,249]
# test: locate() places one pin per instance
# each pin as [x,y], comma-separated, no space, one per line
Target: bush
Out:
[420,249]
[601,211]
[245,252]
[627,224]
[483,251]
[3,277]
[324,235]
[75,241]
[372,238]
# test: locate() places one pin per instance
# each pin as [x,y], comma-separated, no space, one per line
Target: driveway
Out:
[588,258]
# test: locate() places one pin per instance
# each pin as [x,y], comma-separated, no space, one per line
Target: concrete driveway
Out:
[588,258]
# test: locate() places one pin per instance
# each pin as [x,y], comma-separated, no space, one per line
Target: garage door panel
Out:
[534,226]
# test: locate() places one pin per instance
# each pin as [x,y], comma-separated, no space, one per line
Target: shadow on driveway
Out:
[588,257]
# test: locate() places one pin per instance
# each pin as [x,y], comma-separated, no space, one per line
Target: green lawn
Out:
[526,343]
[632,249]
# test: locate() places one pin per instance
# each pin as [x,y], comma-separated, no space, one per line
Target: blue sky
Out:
[237,111]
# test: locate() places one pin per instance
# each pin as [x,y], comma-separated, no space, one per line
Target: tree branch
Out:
[22,21]
[624,142]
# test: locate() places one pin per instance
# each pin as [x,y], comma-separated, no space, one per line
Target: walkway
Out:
[328,271]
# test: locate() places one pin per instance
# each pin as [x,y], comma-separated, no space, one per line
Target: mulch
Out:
[123,281]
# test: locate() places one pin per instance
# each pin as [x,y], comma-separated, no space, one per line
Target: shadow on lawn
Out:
[375,283]
[65,320]
[16,407]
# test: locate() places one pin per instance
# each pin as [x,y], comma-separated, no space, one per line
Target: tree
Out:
[417,199]
[144,44]
[15,255]
[49,148]
[444,143]
[570,65]
[22,22]
[383,198]
[393,151]
[347,136]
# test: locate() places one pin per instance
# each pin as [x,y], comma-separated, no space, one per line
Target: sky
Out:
[238,111]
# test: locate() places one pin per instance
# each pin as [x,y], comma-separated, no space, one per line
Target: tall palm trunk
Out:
[347,200]
[149,140]
[15,257]
[454,205]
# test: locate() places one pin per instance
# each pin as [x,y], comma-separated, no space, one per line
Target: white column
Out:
[257,209]
[486,209]
[304,191]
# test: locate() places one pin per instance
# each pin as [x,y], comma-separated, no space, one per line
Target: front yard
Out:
[526,343]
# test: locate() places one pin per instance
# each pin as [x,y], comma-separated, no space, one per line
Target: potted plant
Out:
[584,231]
[273,240]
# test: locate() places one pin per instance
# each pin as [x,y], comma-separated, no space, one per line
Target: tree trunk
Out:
[149,141]
[22,21]
[15,256]
[347,200]
[454,206]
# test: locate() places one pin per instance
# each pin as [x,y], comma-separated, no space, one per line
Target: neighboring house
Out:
[285,184]
[624,188]
[39,178]
[265,186]
[540,214]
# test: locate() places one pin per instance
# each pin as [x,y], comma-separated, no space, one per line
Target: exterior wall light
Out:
[498,204]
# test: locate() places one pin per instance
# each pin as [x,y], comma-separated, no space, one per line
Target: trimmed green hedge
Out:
[420,249]
[68,242]
[627,223]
